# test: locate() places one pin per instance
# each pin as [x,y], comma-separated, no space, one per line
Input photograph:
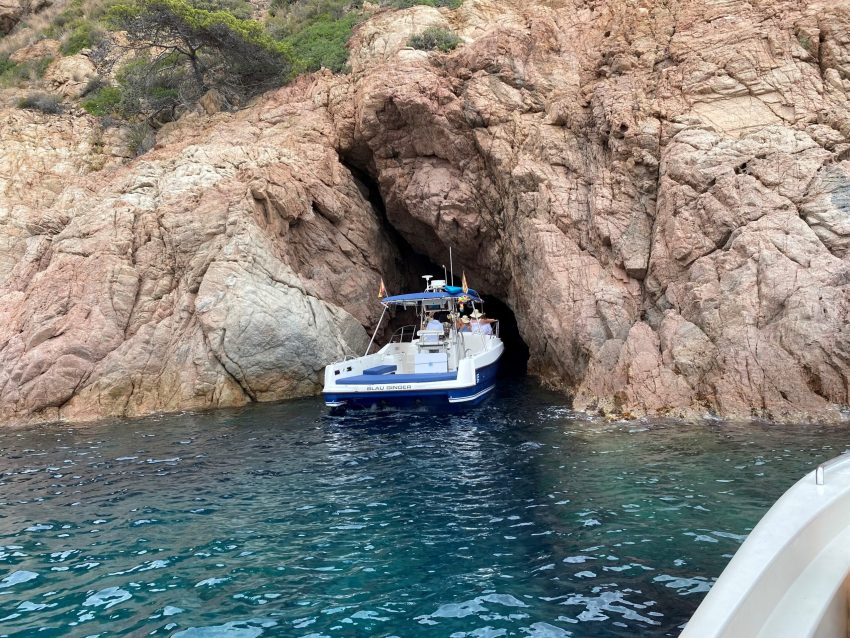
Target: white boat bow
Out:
[791,576]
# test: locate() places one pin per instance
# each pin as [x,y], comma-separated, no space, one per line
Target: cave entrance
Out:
[514,361]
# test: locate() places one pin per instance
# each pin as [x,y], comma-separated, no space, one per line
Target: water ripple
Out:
[518,518]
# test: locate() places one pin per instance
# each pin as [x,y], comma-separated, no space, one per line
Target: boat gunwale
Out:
[799,529]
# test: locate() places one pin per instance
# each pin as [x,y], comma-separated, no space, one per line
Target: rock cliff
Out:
[659,190]
[226,265]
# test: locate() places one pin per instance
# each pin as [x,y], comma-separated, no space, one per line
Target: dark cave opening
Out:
[412,262]
[515,360]
[412,266]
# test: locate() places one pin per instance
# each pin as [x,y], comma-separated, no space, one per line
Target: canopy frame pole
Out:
[452,265]
[375,334]
[456,338]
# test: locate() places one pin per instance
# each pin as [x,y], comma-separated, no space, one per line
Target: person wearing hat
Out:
[480,324]
[463,324]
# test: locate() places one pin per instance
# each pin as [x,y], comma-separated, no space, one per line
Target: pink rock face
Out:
[13,11]
[211,272]
[660,192]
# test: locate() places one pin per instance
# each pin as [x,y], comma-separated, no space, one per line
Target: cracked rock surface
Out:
[229,264]
[659,190]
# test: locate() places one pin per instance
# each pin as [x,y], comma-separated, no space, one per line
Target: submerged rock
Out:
[658,191]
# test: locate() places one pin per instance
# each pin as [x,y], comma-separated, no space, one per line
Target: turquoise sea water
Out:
[517,518]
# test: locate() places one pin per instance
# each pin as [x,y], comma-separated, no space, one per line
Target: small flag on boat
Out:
[463,283]
[382,291]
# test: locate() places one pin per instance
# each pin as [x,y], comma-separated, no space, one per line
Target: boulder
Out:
[212,102]
[38,50]
[13,11]
[70,76]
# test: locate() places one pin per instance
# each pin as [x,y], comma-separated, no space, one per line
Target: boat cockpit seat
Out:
[378,370]
[430,337]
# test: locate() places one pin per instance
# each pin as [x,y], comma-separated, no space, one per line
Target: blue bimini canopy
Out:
[414,298]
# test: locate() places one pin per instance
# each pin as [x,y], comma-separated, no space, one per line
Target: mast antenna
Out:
[451,265]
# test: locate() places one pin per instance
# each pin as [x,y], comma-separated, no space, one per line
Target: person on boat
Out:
[480,324]
[432,323]
[463,324]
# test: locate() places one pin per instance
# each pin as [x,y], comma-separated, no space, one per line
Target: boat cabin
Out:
[440,338]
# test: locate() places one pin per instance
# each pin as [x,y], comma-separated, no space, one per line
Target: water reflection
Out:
[515,518]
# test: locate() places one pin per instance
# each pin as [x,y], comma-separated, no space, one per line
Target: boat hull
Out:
[791,576]
[405,394]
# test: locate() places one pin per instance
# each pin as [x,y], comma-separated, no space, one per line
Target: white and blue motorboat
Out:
[447,357]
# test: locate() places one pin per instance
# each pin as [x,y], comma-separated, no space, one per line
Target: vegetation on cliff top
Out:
[319,30]
[434,38]
[157,58]
[185,51]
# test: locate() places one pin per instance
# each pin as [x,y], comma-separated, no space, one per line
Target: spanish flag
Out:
[382,291]
[463,283]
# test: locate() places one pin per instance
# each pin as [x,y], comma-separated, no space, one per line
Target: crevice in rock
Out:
[243,385]
[407,268]
[403,272]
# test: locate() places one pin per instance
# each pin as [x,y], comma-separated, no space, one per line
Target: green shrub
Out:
[39,67]
[12,74]
[322,43]
[155,88]
[434,38]
[104,101]
[44,102]
[93,85]
[77,14]
[64,21]
[404,4]
[238,8]
[84,36]
[6,65]
[289,18]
